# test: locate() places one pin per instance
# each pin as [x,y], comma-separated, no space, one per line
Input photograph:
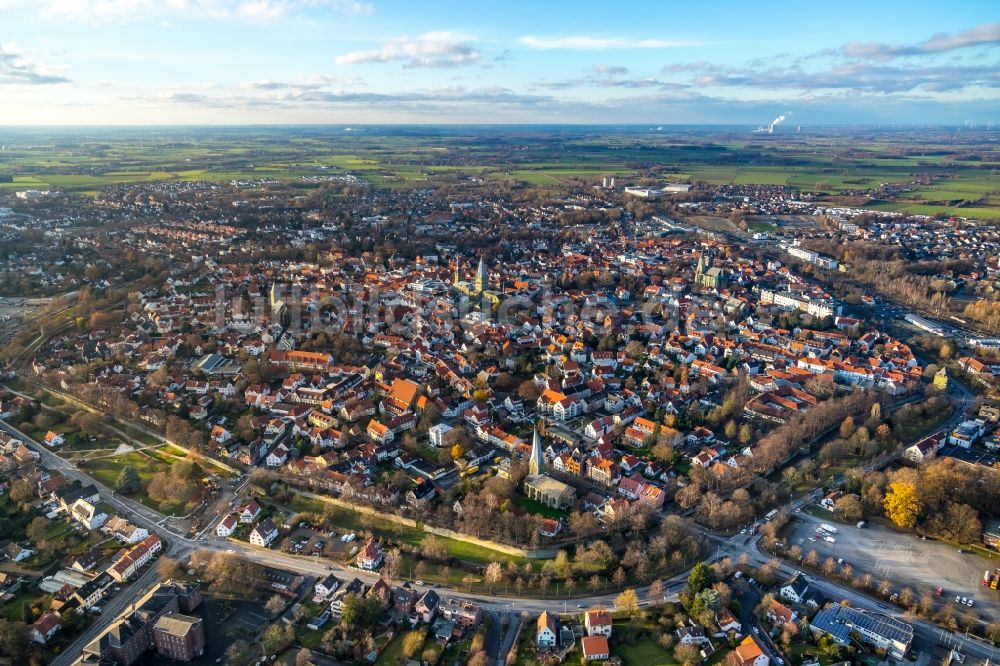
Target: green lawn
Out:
[536,507]
[392,655]
[796,652]
[644,652]
[387,529]
[106,470]
[12,610]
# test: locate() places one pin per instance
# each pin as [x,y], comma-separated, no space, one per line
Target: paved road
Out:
[112,608]
[508,639]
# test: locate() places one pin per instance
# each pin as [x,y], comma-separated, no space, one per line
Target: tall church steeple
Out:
[536,463]
[482,277]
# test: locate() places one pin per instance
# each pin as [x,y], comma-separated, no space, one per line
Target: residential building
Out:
[88,514]
[179,637]
[546,636]
[926,449]
[370,556]
[748,653]
[598,623]
[227,526]
[882,631]
[264,534]
[595,648]
[44,628]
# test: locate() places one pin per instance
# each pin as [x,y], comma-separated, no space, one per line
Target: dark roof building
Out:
[179,637]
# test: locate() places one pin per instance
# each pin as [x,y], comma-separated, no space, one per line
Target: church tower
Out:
[482,278]
[536,463]
[458,269]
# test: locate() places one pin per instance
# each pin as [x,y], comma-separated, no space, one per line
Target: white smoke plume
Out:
[779,119]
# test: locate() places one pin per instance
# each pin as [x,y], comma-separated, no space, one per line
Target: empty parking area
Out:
[905,560]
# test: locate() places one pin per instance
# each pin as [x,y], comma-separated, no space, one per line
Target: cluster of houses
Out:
[448,618]
[678,319]
[85,581]
[555,637]
[795,601]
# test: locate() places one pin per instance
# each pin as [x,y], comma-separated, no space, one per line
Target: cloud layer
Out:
[592,43]
[433,49]
[981,35]
[17,67]
[98,11]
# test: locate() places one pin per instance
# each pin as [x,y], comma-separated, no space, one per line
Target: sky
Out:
[222,62]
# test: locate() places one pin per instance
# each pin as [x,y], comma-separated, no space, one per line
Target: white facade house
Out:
[227,526]
[438,434]
[264,534]
[88,514]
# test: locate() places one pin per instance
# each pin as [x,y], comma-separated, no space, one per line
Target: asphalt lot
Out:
[975,455]
[904,560]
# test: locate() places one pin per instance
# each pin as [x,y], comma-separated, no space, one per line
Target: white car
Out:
[968,602]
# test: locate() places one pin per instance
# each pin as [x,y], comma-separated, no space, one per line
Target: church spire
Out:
[482,277]
[536,464]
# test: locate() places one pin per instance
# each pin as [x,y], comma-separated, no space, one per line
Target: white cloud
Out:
[17,67]
[590,43]
[433,49]
[986,34]
[319,82]
[99,11]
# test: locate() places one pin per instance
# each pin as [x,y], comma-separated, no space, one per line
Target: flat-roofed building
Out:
[179,637]
[550,492]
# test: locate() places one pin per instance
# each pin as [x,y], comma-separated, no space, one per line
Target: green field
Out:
[355,521]
[938,171]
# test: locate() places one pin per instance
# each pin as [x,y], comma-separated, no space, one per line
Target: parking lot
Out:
[307,541]
[905,560]
[974,455]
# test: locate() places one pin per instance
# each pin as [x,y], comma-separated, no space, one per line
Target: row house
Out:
[128,563]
